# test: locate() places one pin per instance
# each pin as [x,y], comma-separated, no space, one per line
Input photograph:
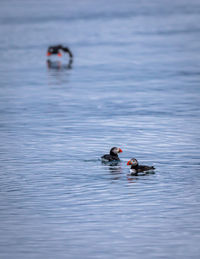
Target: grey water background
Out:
[135,84]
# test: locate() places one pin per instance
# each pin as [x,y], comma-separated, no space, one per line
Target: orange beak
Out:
[59,54]
[129,162]
[120,151]
[48,54]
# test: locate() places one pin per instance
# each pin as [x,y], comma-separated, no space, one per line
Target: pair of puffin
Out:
[135,167]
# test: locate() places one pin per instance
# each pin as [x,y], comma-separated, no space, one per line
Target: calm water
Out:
[135,84]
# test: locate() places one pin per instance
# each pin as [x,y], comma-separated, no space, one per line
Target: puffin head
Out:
[54,50]
[115,151]
[132,161]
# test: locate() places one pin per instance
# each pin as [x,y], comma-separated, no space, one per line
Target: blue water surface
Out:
[134,84]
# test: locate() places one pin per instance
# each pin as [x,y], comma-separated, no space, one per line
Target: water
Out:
[134,84]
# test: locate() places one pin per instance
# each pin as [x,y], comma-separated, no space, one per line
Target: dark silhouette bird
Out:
[58,50]
[137,169]
[113,156]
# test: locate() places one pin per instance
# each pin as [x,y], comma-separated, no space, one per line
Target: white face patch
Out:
[134,162]
[115,150]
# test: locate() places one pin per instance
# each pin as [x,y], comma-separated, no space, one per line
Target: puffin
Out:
[113,156]
[137,169]
[57,50]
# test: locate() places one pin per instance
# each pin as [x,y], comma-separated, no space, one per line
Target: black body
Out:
[110,157]
[142,168]
[56,50]
[113,156]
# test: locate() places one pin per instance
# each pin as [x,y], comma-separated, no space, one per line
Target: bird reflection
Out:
[115,169]
[133,178]
[57,65]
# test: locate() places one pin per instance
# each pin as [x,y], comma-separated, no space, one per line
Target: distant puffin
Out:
[113,156]
[57,50]
[137,169]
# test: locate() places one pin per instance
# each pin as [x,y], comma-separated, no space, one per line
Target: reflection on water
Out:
[114,168]
[59,65]
[116,172]
[58,73]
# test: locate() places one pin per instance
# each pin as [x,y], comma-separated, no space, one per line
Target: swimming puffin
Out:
[138,169]
[57,50]
[113,156]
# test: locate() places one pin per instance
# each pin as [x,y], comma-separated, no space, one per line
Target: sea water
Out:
[134,83]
